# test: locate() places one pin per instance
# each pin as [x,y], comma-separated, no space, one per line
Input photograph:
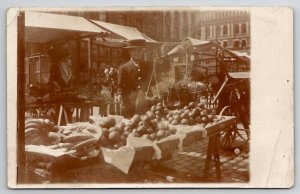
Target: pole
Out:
[90,66]
[89,53]
[186,63]
[217,62]
[21,99]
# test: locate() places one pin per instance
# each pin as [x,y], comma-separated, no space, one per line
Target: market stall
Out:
[122,142]
[210,54]
[51,146]
[42,32]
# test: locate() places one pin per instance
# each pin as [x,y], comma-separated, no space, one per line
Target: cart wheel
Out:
[229,136]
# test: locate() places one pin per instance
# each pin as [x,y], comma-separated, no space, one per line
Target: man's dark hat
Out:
[135,43]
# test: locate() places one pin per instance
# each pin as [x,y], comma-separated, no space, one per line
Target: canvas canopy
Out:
[239,75]
[46,27]
[205,48]
[123,32]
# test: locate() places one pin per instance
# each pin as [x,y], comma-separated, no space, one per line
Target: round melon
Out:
[204,119]
[105,132]
[114,137]
[160,134]
[191,121]
[198,120]
[142,130]
[201,105]
[192,105]
[128,128]
[108,122]
[121,125]
[146,136]
[115,129]
[146,120]
[210,117]
[175,122]
[184,122]
[137,117]
[153,136]
[151,115]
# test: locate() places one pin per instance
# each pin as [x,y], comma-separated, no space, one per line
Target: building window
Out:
[236,44]
[236,29]
[225,44]
[244,43]
[207,32]
[244,28]
[122,19]
[102,16]
[139,24]
[153,29]
[218,29]
[199,33]
[225,30]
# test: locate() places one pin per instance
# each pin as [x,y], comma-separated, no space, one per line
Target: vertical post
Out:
[217,157]
[186,61]
[89,53]
[21,99]
[209,153]
[217,62]
[78,58]
[90,65]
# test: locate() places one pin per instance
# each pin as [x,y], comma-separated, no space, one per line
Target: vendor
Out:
[132,80]
[61,78]
[60,73]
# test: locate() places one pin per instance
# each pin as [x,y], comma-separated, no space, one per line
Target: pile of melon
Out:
[154,125]
[41,132]
[144,126]
[157,112]
[191,115]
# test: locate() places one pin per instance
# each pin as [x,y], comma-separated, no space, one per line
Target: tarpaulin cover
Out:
[239,75]
[45,27]
[193,45]
[123,32]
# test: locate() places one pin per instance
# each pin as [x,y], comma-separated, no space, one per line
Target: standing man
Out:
[133,80]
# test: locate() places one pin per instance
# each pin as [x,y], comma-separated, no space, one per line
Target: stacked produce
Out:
[148,126]
[41,132]
[79,140]
[113,135]
[192,114]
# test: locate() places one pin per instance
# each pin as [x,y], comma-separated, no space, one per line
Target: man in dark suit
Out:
[133,80]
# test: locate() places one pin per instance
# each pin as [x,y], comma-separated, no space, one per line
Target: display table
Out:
[137,150]
[44,164]
[80,110]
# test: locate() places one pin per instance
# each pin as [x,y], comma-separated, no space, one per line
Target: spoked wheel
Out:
[229,136]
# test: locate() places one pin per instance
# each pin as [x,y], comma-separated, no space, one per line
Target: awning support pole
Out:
[21,100]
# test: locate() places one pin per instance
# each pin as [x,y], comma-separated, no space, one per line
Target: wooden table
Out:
[76,107]
[213,148]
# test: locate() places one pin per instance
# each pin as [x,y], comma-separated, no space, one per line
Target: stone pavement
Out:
[188,164]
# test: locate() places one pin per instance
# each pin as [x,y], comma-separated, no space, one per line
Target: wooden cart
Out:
[233,99]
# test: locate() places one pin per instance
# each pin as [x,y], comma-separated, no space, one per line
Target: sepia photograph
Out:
[143,96]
